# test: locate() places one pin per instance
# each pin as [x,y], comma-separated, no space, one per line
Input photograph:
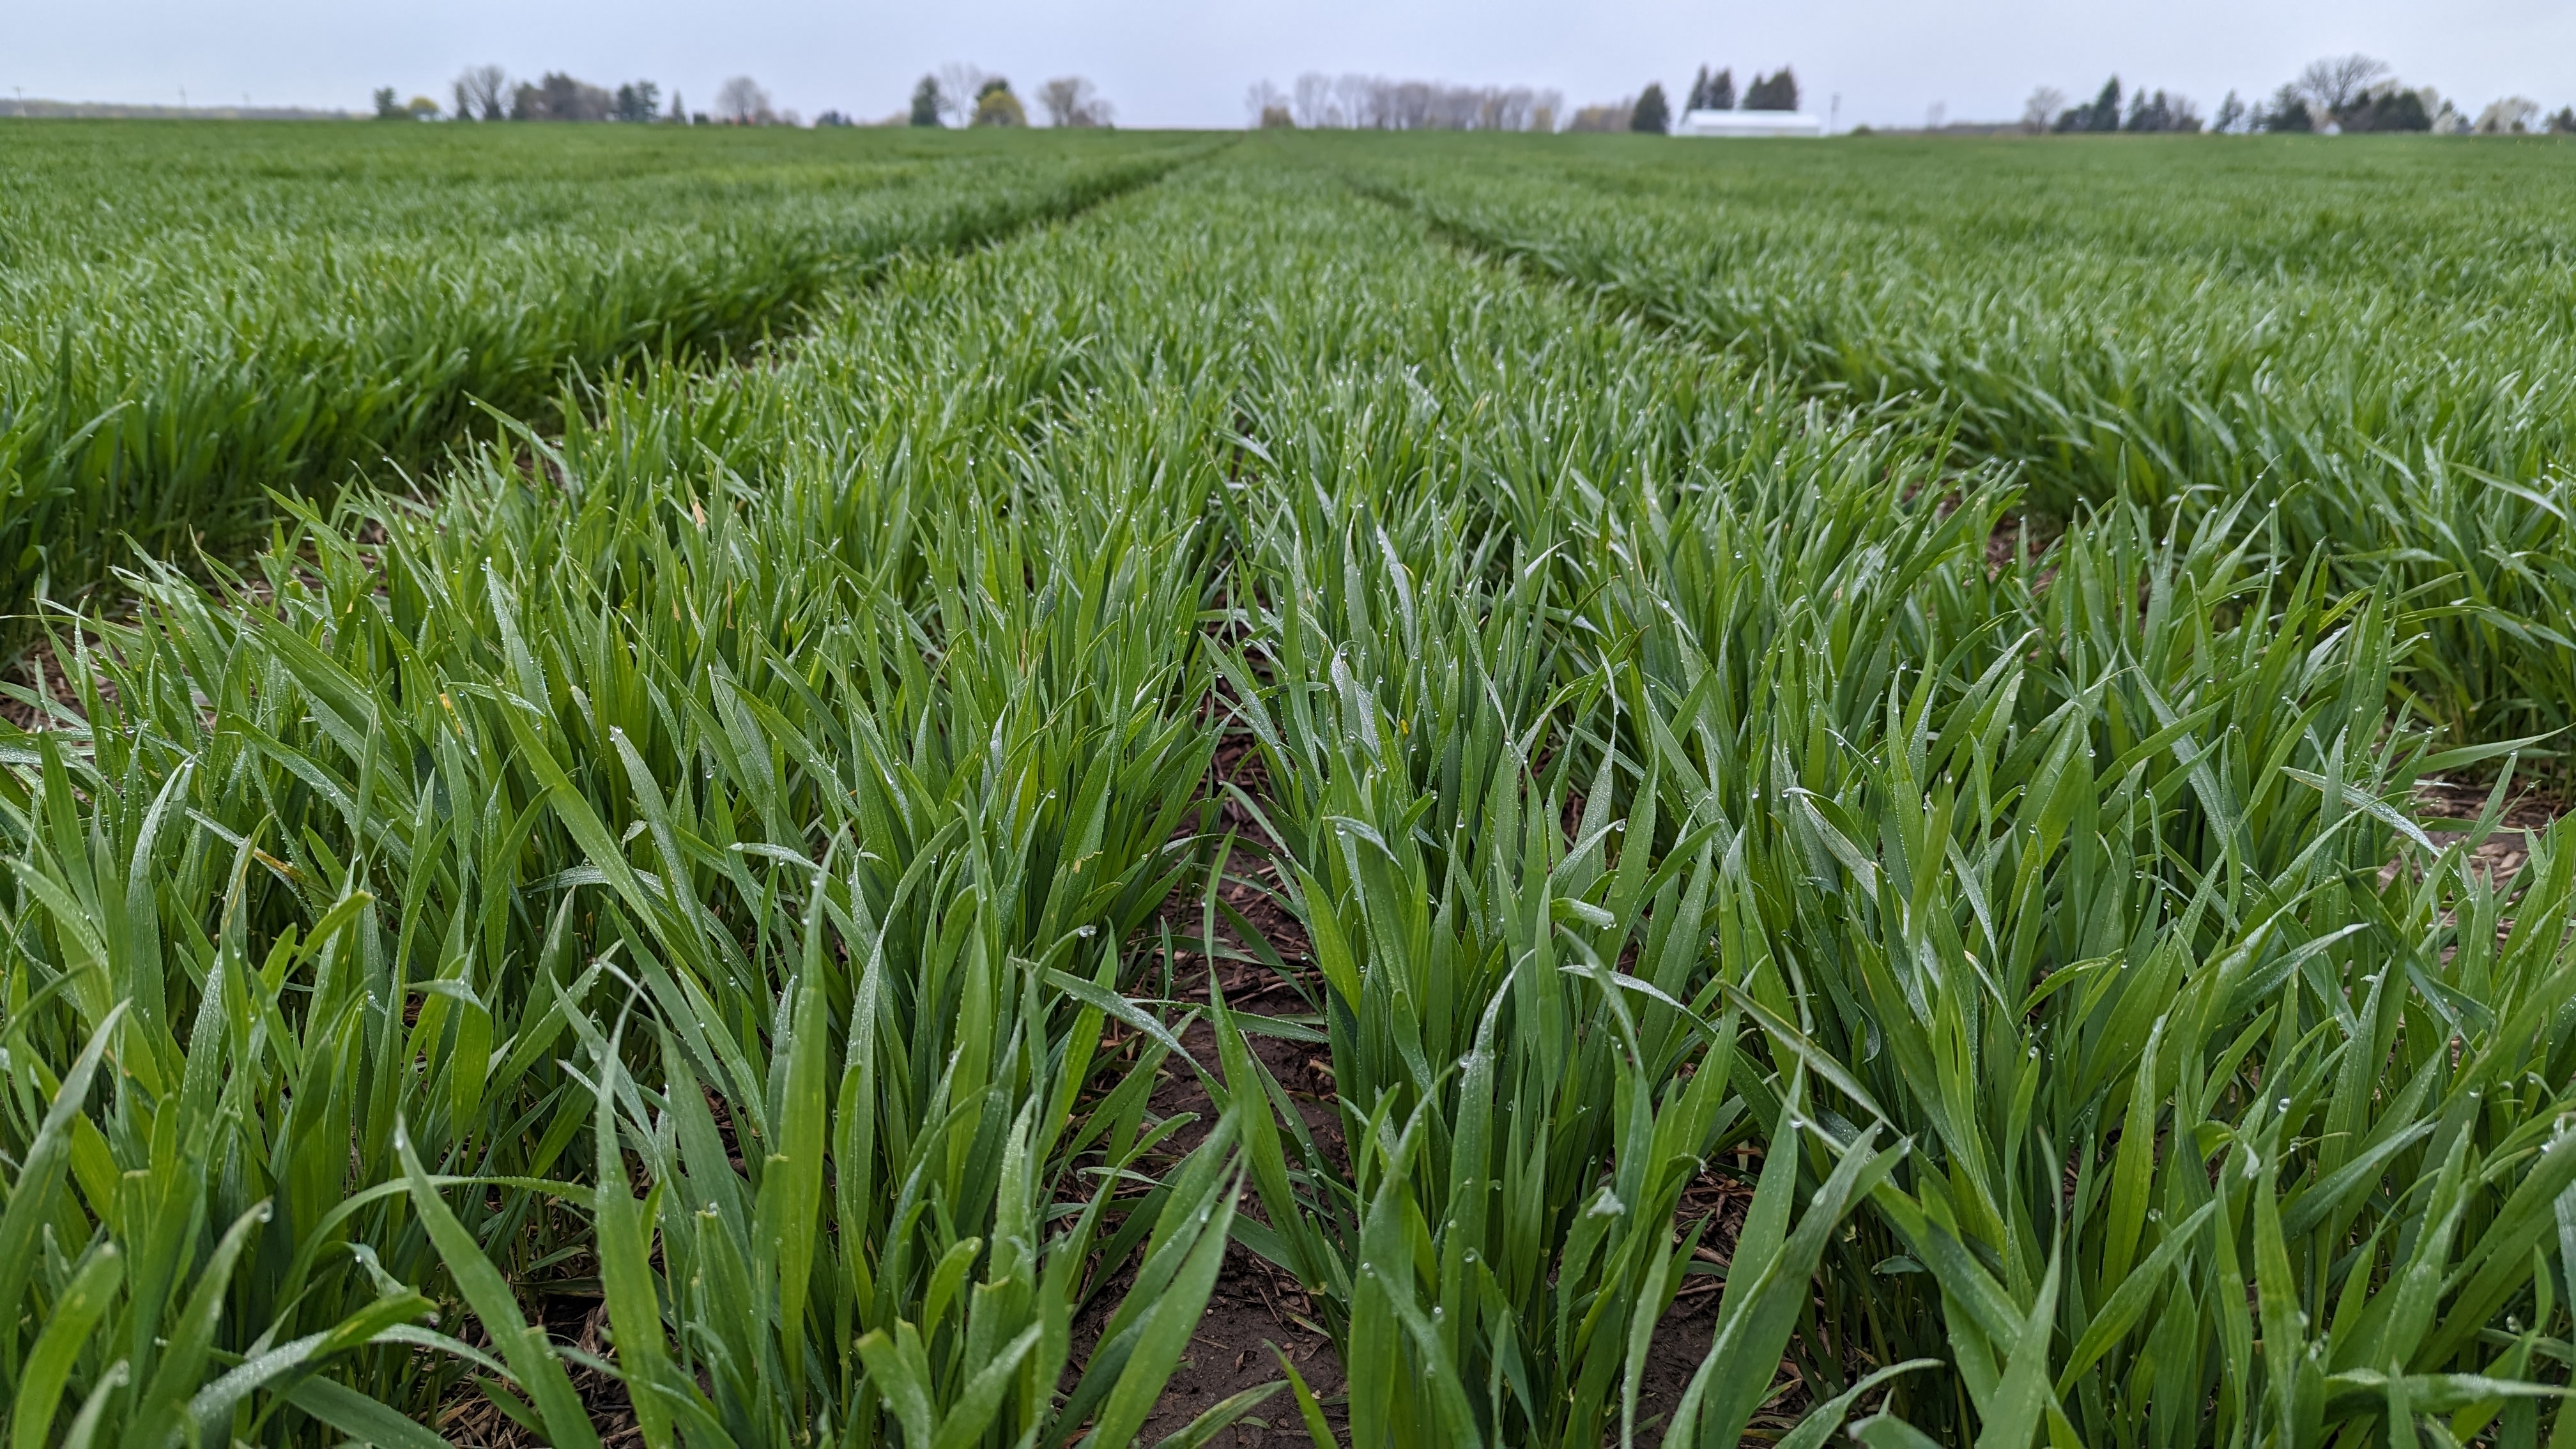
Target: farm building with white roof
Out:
[1747,123]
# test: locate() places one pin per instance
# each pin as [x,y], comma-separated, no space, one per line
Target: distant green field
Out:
[1616,790]
[193,315]
[2377,339]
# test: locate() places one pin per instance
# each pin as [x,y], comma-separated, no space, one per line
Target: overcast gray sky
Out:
[1174,63]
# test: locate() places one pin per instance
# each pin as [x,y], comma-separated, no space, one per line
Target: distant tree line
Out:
[1618,115]
[1366,102]
[418,108]
[958,94]
[1776,92]
[1376,103]
[2147,111]
[487,93]
[962,95]
[2347,95]
[1650,111]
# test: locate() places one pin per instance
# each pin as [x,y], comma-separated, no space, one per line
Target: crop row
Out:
[2374,341]
[198,319]
[755,859]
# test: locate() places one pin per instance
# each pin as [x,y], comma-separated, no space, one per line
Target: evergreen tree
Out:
[2288,112]
[2161,112]
[1698,92]
[1772,92]
[1652,112]
[2386,109]
[925,102]
[638,101]
[2102,113]
[1721,91]
[2106,108]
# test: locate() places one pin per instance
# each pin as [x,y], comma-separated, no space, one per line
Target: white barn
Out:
[1747,123]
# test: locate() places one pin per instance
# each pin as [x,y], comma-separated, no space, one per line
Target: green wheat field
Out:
[764,788]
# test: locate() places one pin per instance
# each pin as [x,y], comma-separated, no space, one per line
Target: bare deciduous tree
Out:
[481,92]
[1059,97]
[559,97]
[742,102]
[1266,104]
[2333,85]
[1365,102]
[1072,101]
[2042,109]
[2512,116]
[1312,102]
[959,86]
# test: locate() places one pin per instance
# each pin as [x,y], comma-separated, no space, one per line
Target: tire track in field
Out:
[1528,263]
[1057,413]
[1367,363]
[1717,1201]
[995,220]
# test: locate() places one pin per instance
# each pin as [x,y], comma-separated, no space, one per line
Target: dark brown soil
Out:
[1256,1308]
[1257,1305]
[2019,535]
[2504,853]
[471,1420]
[39,673]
